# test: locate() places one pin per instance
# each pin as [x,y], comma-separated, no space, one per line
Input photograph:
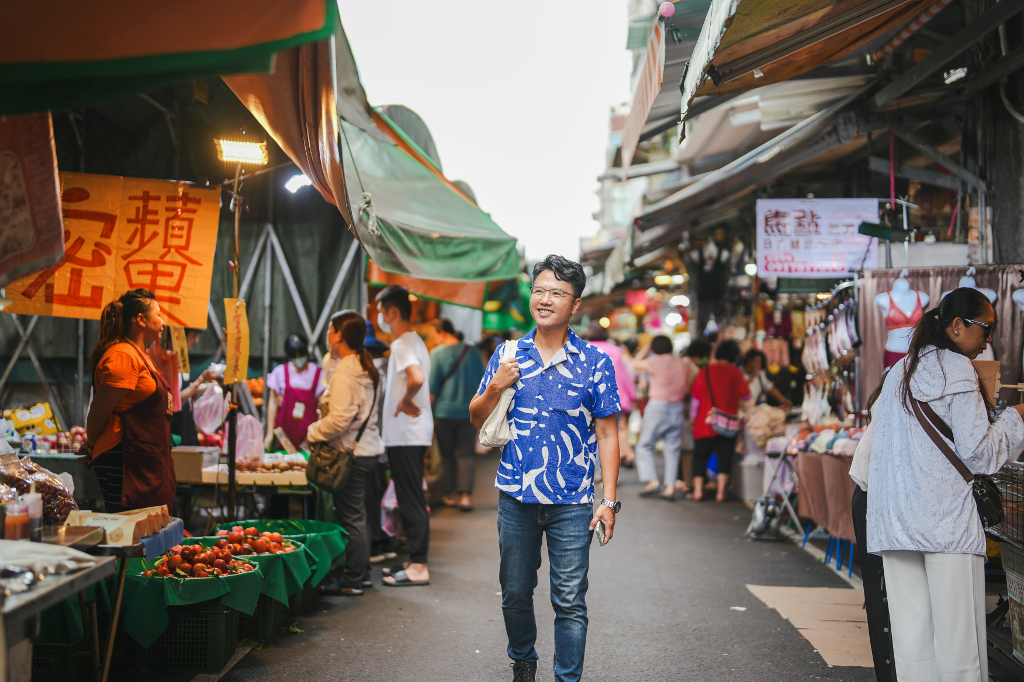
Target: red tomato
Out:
[276,537]
[236,538]
[221,544]
[259,546]
[236,529]
[198,567]
[147,574]
[173,562]
[221,532]
[216,571]
[186,569]
[220,564]
[288,549]
[162,570]
[201,574]
[236,548]
[251,531]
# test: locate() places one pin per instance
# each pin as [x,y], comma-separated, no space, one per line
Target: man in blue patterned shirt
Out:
[562,418]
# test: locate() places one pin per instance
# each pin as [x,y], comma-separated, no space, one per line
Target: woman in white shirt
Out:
[352,422]
[921,514]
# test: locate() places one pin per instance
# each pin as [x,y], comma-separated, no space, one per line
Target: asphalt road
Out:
[659,604]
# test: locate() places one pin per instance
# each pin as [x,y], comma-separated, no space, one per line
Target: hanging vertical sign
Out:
[127,233]
[237,343]
[814,238]
[180,347]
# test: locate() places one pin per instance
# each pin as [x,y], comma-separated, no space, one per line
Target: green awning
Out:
[69,55]
[410,221]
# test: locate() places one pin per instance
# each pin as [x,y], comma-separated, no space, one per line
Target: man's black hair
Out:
[699,348]
[296,346]
[396,297]
[564,270]
[661,344]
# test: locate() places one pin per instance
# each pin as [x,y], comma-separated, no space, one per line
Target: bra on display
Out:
[895,318]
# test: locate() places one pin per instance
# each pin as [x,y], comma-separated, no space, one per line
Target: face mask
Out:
[382,325]
[299,362]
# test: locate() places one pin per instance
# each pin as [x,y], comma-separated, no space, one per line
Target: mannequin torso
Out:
[902,307]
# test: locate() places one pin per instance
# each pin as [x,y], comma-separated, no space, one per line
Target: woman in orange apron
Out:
[129,423]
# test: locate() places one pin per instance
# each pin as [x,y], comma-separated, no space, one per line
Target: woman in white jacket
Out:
[351,422]
[921,514]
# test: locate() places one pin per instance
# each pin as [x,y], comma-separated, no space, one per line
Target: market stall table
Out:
[20,611]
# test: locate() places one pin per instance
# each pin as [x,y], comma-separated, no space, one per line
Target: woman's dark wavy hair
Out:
[930,330]
[353,333]
[116,319]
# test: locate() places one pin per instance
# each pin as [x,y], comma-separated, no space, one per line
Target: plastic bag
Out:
[249,440]
[58,500]
[210,409]
[390,521]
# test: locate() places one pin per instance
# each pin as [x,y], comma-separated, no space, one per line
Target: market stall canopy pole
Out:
[95,52]
[746,44]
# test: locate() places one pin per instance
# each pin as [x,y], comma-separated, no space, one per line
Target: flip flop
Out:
[402,580]
[392,570]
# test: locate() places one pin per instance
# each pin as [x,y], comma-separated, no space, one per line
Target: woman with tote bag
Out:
[351,427]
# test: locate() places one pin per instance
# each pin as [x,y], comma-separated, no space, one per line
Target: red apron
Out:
[298,408]
[149,477]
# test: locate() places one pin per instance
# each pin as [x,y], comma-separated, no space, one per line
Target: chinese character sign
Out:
[128,233]
[180,346]
[237,342]
[814,238]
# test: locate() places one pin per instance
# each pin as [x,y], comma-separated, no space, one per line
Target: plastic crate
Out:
[57,664]
[200,638]
[265,622]
[1010,480]
[304,600]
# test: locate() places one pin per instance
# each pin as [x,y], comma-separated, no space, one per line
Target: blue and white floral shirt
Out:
[550,458]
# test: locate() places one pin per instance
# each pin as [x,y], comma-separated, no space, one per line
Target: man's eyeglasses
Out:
[556,294]
[989,327]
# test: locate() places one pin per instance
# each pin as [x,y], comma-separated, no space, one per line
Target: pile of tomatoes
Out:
[243,542]
[196,561]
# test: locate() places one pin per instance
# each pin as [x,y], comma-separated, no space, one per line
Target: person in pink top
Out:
[663,418]
[598,337]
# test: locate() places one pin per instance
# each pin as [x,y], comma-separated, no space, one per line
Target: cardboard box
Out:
[189,462]
[34,418]
[120,530]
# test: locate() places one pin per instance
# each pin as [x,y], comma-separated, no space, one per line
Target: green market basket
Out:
[325,541]
[198,638]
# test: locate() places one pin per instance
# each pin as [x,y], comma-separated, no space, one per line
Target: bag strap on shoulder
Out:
[368,415]
[465,350]
[707,374]
[932,425]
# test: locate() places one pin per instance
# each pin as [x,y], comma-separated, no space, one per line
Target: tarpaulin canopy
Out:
[468,294]
[58,54]
[410,221]
[746,44]
[661,222]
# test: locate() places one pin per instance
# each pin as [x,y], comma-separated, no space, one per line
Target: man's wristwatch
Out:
[614,506]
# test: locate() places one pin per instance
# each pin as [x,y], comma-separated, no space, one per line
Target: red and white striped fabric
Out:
[647,89]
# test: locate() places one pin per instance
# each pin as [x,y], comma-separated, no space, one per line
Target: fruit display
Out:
[248,541]
[255,387]
[196,561]
[271,464]
[215,439]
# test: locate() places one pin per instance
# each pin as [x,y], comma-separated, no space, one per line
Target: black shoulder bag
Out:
[329,468]
[986,494]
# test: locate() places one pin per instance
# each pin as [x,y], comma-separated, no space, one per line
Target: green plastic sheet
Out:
[283,574]
[326,541]
[62,623]
[420,226]
[146,599]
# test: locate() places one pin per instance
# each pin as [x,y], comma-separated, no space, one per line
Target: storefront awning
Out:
[663,221]
[64,54]
[411,221]
[746,44]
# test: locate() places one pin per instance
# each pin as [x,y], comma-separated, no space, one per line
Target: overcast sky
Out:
[516,96]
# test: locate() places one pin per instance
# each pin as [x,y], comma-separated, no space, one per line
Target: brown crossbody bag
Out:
[986,494]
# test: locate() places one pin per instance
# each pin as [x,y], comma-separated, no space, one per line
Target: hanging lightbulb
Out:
[750,269]
[296,182]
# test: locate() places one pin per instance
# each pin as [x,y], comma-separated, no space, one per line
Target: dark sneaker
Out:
[524,671]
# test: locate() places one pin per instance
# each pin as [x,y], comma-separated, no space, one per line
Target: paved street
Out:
[659,603]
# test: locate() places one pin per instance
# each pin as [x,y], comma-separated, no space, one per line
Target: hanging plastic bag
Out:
[390,521]
[249,441]
[210,409]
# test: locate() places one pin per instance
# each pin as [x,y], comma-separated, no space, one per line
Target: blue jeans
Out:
[520,530]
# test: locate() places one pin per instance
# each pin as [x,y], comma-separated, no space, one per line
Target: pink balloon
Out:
[667,9]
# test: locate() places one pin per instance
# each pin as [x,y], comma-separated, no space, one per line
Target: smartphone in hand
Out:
[600,531]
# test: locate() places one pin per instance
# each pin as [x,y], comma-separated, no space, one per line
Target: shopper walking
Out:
[455,372]
[352,423]
[562,419]
[597,336]
[921,514]
[408,430]
[663,419]
[129,422]
[761,387]
[720,385]
[294,389]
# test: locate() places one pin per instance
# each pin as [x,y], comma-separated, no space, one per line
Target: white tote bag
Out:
[496,432]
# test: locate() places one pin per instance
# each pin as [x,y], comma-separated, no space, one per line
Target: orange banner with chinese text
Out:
[128,233]
[237,344]
[180,346]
